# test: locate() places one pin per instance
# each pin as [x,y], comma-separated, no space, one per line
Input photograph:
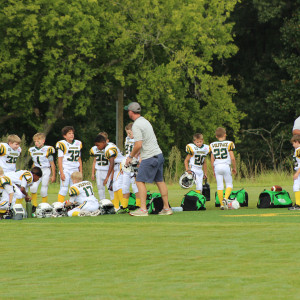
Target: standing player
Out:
[9,153]
[195,159]
[42,157]
[222,157]
[296,187]
[100,167]
[69,160]
[6,193]
[129,178]
[82,194]
[115,157]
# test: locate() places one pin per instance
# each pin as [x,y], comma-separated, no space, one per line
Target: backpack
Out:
[240,195]
[156,204]
[206,190]
[193,201]
[272,199]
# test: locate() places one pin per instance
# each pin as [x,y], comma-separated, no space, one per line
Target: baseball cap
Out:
[133,106]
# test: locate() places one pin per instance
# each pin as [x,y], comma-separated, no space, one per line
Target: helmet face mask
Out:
[187,179]
[58,209]
[106,207]
[44,210]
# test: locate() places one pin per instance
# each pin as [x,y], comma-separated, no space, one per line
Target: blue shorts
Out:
[151,169]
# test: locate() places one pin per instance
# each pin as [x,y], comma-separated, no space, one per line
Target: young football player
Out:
[100,168]
[81,193]
[115,157]
[9,153]
[195,159]
[42,157]
[6,188]
[222,157]
[296,187]
[129,178]
[69,160]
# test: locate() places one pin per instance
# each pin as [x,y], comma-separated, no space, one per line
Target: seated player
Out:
[6,193]
[81,194]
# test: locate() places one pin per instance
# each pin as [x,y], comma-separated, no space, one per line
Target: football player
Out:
[9,153]
[69,160]
[296,187]
[100,167]
[6,193]
[115,157]
[195,159]
[222,157]
[81,194]
[42,157]
[129,178]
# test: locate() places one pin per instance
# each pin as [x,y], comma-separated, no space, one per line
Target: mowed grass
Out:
[249,253]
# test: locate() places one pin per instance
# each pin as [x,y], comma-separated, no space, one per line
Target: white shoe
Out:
[225,203]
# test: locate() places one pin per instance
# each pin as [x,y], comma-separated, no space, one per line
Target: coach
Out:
[151,167]
[296,128]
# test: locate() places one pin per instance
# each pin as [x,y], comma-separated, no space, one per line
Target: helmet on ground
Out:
[44,210]
[18,212]
[187,179]
[58,209]
[106,207]
[233,204]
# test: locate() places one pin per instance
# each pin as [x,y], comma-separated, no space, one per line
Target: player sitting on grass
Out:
[100,167]
[115,157]
[9,152]
[69,160]
[296,187]
[6,193]
[195,159]
[42,157]
[129,178]
[222,157]
[81,194]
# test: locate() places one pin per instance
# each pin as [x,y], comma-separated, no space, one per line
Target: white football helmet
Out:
[106,207]
[233,204]
[58,209]
[186,180]
[44,210]
[129,168]
[18,212]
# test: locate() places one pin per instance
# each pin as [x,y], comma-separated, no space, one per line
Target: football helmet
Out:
[106,207]
[187,179]
[129,168]
[44,210]
[233,204]
[18,212]
[58,209]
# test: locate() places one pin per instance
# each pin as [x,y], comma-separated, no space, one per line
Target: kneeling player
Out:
[81,194]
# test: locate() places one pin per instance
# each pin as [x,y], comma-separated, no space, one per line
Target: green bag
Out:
[240,195]
[156,204]
[193,201]
[132,200]
[270,199]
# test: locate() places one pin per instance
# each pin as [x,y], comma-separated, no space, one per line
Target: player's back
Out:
[82,191]
[129,144]
[20,176]
[220,151]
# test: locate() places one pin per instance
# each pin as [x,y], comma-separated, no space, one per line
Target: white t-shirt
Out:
[297,124]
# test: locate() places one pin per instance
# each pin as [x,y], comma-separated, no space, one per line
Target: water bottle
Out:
[179,208]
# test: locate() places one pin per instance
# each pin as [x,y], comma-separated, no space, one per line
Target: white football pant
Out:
[45,181]
[223,171]
[100,177]
[86,206]
[199,177]
[129,179]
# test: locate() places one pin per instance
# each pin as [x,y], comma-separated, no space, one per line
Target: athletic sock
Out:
[220,195]
[297,197]
[124,202]
[228,192]
[60,198]
[198,191]
[45,199]
[116,201]
[34,199]
[75,213]
[138,202]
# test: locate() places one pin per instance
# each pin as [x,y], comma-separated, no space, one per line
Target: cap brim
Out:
[126,107]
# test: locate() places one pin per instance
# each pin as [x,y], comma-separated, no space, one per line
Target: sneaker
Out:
[166,212]
[222,207]
[225,203]
[139,213]
[122,210]
[295,207]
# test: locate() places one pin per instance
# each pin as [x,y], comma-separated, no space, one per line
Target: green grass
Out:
[244,254]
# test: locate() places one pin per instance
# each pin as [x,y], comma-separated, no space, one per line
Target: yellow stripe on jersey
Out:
[50,151]
[73,191]
[298,153]
[114,154]
[62,147]
[231,147]
[4,180]
[92,153]
[2,150]
[27,176]
[189,150]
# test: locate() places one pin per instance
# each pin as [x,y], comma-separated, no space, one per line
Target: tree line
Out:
[193,65]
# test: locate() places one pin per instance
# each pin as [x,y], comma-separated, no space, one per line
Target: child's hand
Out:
[93,177]
[62,176]
[296,175]
[53,179]
[105,181]
[234,171]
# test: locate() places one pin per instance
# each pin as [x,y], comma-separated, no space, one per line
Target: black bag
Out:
[156,204]
[193,201]
[206,190]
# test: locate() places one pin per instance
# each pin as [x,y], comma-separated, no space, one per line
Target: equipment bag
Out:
[240,195]
[132,200]
[270,199]
[156,204]
[193,201]
[206,190]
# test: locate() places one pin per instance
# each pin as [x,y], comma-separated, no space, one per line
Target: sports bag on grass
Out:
[240,195]
[132,201]
[206,190]
[193,201]
[156,204]
[272,199]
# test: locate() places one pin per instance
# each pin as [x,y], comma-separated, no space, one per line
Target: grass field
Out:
[249,253]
